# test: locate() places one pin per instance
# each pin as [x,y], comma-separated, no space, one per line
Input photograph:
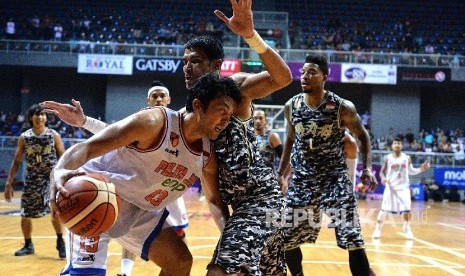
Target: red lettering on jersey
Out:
[89,244]
[180,172]
[171,169]
[190,181]
[156,197]
[163,164]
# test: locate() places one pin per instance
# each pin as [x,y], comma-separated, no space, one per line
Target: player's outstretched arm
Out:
[141,129]
[73,115]
[278,74]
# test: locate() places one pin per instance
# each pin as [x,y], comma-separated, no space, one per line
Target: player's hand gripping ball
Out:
[92,206]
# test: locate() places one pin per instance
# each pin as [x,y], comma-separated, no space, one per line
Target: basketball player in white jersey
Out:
[152,157]
[397,167]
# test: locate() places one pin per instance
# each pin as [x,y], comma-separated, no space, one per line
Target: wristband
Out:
[93,125]
[257,43]
[369,170]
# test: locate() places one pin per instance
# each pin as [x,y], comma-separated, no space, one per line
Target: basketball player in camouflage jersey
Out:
[41,146]
[316,122]
[248,244]
[269,142]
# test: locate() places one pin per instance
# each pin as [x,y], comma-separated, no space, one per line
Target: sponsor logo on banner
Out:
[450,176]
[369,73]
[230,66]
[105,64]
[150,65]
[429,75]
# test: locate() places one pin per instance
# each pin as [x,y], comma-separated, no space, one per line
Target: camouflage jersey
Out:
[41,157]
[320,172]
[266,151]
[244,178]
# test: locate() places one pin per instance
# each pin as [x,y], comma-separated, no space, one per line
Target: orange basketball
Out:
[92,206]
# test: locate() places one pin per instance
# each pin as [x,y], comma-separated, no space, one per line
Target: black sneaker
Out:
[121,274]
[61,248]
[26,250]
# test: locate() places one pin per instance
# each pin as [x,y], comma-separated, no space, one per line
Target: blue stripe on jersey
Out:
[83,271]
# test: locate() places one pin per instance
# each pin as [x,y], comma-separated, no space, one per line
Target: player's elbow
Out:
[284,79]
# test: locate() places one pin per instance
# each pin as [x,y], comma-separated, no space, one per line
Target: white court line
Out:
[451,226]
[445,268]
[438,247]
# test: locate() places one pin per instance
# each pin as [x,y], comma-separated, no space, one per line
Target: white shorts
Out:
[178,214]
[135,229]
[396,199]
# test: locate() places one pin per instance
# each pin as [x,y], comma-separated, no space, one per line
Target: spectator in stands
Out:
[10,29]
[390,137]
[409,136]
[58,31]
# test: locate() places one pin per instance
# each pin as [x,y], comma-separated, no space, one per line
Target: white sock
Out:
[380,219]
[351,168]
[126,266]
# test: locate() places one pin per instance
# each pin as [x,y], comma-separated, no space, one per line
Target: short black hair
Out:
[397,139]
[211,46]
[157,83]
[320,60]
[212,86]
[33,110]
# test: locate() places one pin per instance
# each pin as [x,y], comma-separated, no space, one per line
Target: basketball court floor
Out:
[437,249]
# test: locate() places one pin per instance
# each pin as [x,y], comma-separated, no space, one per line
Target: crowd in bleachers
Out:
[14,124]
[426,140]
[360,26]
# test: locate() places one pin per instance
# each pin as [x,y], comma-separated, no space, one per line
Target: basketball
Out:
[92,206]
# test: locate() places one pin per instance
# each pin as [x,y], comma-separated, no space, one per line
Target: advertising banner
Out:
[418,75]
[368,73]
[450,176]
[334,71]
[105,64]
[157,65]
[230,66]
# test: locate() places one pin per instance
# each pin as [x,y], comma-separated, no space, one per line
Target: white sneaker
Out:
[408,232]
[376,234]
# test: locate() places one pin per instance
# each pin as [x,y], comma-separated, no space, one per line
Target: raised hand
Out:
[70,114]
[241,22]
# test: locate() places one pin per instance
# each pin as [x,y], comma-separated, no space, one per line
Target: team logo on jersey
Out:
[330,106]
[174,139]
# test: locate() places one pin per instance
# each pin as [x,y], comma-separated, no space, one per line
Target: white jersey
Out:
[152,178]
[397,171]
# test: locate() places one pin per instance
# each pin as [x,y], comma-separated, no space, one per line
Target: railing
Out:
[176,51]
[436,159]
[10,142]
